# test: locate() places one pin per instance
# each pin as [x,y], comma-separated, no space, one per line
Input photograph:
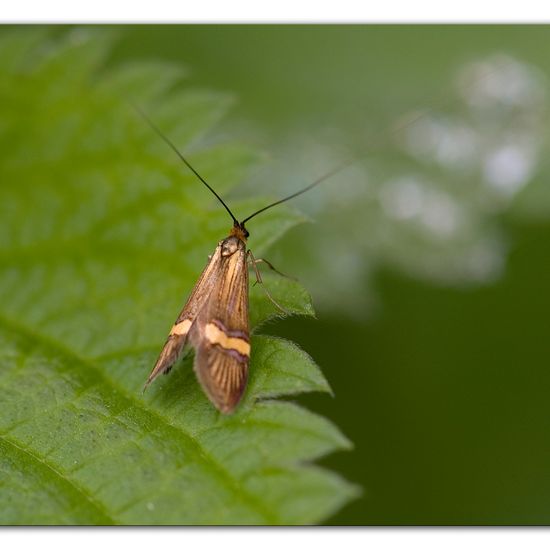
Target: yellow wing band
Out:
[181,328]
[217,336]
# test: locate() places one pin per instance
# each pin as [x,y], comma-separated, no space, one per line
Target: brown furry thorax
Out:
[238,230]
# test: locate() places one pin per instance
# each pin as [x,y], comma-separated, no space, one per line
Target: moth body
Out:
[214,321]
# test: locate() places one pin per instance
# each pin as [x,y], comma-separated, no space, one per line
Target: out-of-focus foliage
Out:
[429,199]
[102,234]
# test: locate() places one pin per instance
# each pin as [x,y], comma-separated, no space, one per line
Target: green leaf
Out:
[103,233]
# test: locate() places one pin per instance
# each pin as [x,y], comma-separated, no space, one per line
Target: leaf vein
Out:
[221,473]
[60,476]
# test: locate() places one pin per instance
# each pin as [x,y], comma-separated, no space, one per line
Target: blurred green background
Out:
[427,259]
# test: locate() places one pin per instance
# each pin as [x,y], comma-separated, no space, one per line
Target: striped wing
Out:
[180,330]
[220,335]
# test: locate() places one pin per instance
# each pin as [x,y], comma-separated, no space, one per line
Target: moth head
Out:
[238,230]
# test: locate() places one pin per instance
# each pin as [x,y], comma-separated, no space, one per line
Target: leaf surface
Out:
[103,234]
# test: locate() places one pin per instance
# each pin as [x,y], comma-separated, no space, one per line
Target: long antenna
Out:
[325,176]
[175,149]
[339,167]
[388,134]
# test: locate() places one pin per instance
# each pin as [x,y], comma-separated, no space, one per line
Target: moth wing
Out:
[177,338]
[221,335]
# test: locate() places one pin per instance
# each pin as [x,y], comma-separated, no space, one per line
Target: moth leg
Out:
[272,267]
[259,280]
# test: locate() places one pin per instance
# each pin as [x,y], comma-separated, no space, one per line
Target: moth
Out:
[214,320]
